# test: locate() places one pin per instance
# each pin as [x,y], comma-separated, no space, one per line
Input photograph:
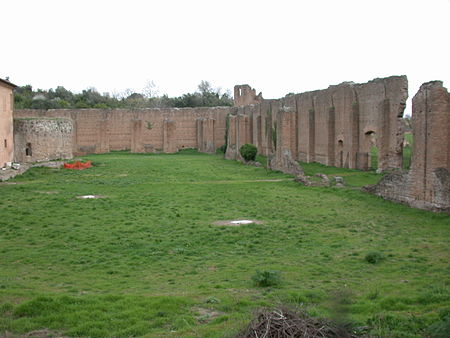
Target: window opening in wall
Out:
[28,151]
[6,143]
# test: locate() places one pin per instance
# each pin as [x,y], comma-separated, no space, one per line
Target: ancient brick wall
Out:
[141,130]
[427,184]
[336,126]
[42,139]
[6,124]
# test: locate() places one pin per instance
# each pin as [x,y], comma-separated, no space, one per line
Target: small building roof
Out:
[7,83]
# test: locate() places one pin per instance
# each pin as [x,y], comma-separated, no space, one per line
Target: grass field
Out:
[146,260]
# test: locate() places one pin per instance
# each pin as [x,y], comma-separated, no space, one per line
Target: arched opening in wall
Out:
[340,153]
[28,150]
[370,144]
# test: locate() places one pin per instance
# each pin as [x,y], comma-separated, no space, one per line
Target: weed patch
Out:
[374,257]
[267,278]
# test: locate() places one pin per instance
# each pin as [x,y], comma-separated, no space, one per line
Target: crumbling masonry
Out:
[339,125]
[427,184]
[335,126]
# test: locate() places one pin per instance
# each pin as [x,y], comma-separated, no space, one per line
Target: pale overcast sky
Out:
[276,46]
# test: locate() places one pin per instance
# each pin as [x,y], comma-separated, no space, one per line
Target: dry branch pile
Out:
[284,322]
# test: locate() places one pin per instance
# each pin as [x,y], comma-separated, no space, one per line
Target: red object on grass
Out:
[78,165]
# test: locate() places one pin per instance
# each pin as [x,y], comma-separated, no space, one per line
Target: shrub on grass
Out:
[248,152]
[374,257]
[266,278]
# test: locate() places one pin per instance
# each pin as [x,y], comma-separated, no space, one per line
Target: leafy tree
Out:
[205,96]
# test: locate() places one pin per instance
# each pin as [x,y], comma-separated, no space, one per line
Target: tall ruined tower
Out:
[427,184]
[245,95]
[430,166]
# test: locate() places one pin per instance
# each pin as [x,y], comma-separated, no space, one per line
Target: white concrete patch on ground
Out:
[237,222]
[90,196]
[243,221]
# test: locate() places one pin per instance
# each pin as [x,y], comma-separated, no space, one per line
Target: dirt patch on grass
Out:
[206,315]
[237,222]
[243,181]
[44,333]
[51,192]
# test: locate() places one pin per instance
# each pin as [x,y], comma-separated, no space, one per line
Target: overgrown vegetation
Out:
[222,149]
[60,98]
[274,134]
[147,260]
[407,151]
[374,157]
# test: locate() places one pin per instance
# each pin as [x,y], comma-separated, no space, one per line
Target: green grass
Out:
[352,178]
[146,260]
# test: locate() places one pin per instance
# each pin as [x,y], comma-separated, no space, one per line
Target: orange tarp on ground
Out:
[78,165]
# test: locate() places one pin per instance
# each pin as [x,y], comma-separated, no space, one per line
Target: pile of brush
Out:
[285,322]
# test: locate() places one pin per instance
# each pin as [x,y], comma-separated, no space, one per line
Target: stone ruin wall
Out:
[140,130]
[335,126]
[427,184]
[6,124]
[42,139]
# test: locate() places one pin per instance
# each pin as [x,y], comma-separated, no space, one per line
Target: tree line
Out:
[26,97]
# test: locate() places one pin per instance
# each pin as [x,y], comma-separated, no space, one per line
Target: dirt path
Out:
[240,181]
